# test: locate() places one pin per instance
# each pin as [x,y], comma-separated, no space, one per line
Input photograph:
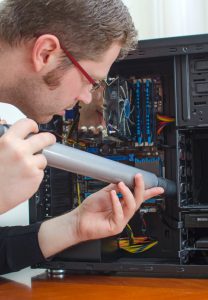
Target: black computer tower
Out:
[156,113]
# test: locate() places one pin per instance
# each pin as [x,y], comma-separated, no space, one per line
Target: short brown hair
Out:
[87,28]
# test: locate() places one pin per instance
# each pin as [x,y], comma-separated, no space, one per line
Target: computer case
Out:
[156,114]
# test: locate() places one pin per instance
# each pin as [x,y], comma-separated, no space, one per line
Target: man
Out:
[52,55]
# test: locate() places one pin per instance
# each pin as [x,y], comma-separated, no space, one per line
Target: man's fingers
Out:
[117,209]
[153,192]
[33,143]
[141,194]
[111,187]
[40,161]
[139,190]
[39,141]
[129,202]
[22,128]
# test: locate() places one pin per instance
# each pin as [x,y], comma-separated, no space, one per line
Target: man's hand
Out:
[21,168]
[104,214]
[100,215]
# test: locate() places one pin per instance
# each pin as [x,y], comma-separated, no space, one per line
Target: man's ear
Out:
[46,52]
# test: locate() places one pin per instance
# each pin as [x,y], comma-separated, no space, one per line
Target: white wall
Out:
[164,18]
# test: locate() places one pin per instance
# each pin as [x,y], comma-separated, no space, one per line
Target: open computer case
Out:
[156,119]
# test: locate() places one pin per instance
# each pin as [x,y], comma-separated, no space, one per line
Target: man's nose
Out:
[85,96]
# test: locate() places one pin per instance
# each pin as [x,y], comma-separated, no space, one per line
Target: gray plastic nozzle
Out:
[77,161]
[87,164]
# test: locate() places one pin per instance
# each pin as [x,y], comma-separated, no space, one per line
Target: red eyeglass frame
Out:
[95,84]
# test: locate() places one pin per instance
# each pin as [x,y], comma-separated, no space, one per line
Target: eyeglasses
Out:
[96,84]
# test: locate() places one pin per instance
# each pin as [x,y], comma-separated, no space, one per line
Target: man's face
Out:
[40,102]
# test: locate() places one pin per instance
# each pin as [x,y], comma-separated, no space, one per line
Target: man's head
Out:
[41,80]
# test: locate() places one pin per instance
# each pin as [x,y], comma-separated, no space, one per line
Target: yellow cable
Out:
[78,194]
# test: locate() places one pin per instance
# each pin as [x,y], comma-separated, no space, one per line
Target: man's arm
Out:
[100,215]
[19,247]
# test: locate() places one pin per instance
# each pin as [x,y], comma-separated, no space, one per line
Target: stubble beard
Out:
[27,96]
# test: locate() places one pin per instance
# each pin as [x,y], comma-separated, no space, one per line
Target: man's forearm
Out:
[58,234]
[19,247]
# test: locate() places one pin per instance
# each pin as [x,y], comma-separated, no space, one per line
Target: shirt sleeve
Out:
[19,247]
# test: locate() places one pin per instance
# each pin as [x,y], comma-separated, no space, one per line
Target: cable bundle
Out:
[163,121]
[135,245]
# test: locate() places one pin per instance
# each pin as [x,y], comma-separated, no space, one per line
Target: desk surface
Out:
[90,287]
